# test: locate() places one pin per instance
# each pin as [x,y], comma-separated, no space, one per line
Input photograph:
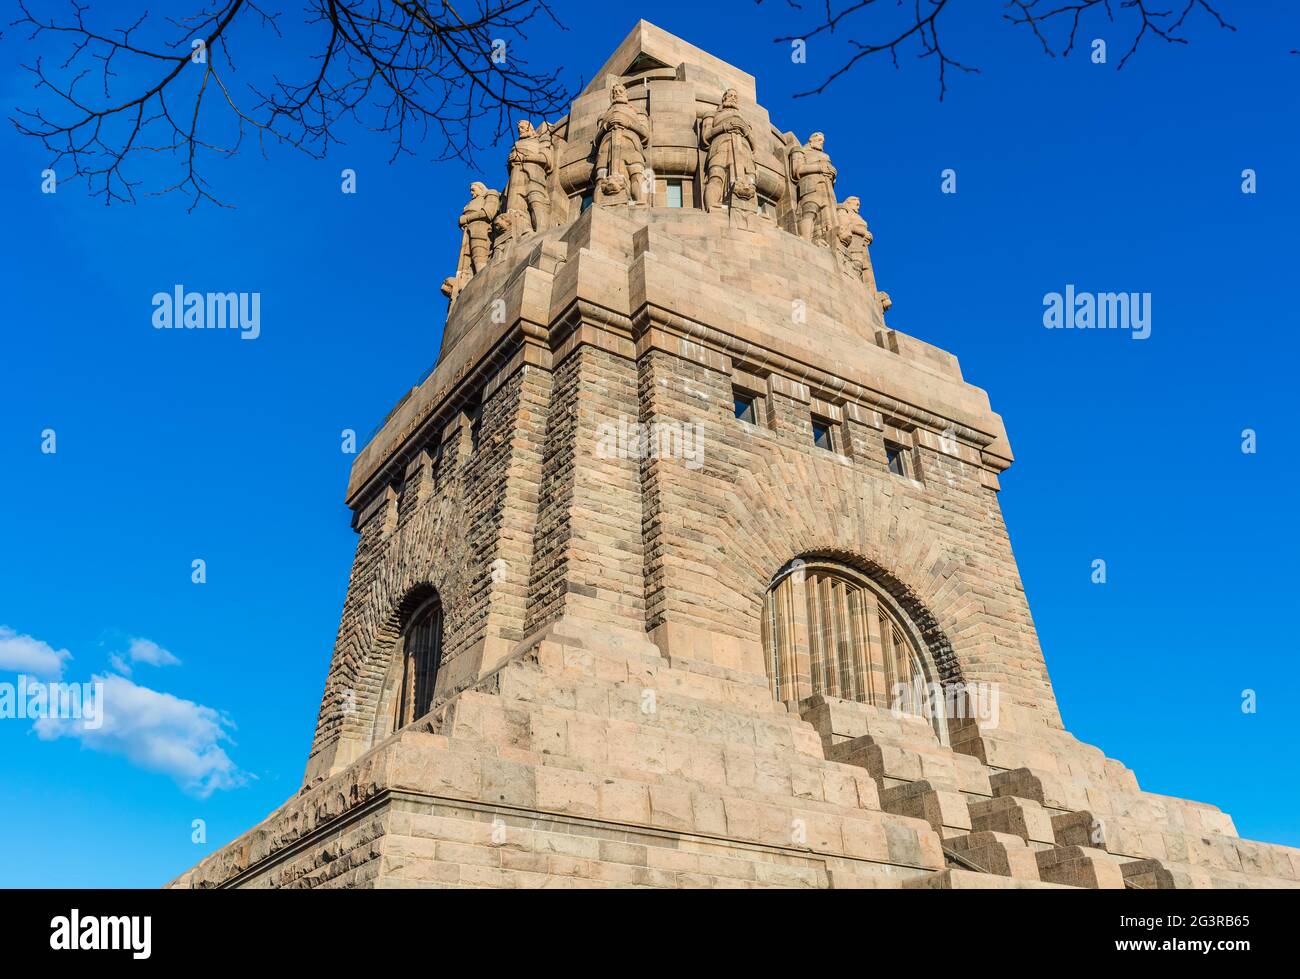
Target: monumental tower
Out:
[683,568]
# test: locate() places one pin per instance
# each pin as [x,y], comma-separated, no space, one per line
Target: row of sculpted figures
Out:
[534,200]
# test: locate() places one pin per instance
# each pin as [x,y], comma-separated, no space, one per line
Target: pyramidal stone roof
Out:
[648,46]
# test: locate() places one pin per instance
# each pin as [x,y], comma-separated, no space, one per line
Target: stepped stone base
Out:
[589,760]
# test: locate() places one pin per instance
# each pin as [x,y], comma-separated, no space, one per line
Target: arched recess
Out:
[411,646]
[837,625]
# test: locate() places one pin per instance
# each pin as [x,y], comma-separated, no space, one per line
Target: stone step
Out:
[1136,839]
[944,809]
[954,880]
[913,751]
[1002,854]
[811,793]
[891,763]
[1022,818]
[467,852]
[1164,875]
[1054,752]
[653,706]
[1079,866]
[567,738]
[843,720]
[811,796]
[552,669]
[529,782]
[1077,794]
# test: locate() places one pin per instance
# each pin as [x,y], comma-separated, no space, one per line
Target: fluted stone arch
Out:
[910,608]
[839,625]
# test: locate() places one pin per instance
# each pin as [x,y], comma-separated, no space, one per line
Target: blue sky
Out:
[174,446]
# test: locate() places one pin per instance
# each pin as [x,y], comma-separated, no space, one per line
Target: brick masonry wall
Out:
[765,494]
[588,545]
[461,528]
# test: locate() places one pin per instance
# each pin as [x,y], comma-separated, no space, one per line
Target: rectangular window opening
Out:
[673,194]
[822,434]
[745,406]
[896,456]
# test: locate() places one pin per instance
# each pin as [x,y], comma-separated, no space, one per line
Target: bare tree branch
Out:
[416,70]
[1163,24]
[914,25]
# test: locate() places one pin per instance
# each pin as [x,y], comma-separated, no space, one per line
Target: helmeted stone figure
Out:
[730,170]
[622,135]
[854,236]
[528,195]
[814,178]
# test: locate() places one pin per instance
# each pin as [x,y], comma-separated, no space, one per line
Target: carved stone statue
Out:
[814,178]
[528,196]
[854,237]
[476,236]
[730,171]
[476,222]
[622,135]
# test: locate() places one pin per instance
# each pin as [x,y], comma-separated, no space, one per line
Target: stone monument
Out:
[683,569]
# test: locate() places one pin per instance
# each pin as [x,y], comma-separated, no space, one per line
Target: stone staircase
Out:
[589,760]
[1067,815]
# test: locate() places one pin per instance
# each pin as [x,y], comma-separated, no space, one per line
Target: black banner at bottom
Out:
[1029,928]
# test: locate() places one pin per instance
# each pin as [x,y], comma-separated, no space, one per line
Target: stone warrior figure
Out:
[622,135]
[476,235]
[854,236]
[814,179]
[729,169]
[476,223]
[528,196]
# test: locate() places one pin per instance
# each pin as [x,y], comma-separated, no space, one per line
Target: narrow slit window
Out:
[475,426]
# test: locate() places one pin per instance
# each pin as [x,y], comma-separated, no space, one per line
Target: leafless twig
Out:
[918,28]
[413,69]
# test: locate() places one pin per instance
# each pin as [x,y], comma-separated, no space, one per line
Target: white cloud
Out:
[119,664]
[24,654]
[158,732]
[147,651]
